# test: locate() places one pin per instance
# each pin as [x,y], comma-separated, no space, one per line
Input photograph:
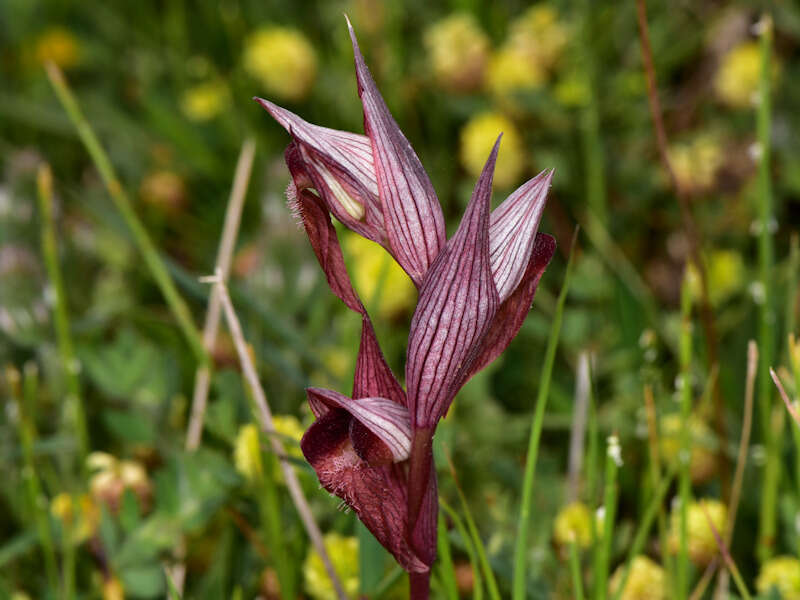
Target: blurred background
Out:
[168,88]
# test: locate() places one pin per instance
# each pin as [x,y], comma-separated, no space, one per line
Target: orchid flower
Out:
[374,449]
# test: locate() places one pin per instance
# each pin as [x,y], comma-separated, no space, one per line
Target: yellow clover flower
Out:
[509,72]
[703,462]
[344,555]
[781,573]
[247,453]
[701,541]
[58,45]
[726,275]
[736,81]
[539,36]
[373,267]
[83,521]
[206,100]
[697,161]
[457,49]
[283,60]
[646,581]
[290,432]
[477,138]
[573,523]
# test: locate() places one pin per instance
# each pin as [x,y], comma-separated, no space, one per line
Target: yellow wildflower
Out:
[701,541]
[164,190]
[373,267]
[646,581]
[58,45]
[206,100]
[781,573]
[477,138]
[573,522]
[113,589]
[539,36]
[247,453]
[344,555]
[726,275]
[290,432]
[457,49]
[703,462]
[283,61]
[572,90]
[509,72]
[84,523]
[736,82]
[696,162]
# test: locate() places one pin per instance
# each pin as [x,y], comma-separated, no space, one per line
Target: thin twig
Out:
[741,459]
[230,230]
[268,427]
[789,404]
[726,556]
[578,430]
[692,232]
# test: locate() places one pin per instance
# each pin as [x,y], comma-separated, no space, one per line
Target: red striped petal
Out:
[512,232]
[457,302]
[511,314]
[412,214]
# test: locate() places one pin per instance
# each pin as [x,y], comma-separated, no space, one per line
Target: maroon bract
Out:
[374,449]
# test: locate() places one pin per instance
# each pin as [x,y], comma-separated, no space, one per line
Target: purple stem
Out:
[420,584]
[419,475]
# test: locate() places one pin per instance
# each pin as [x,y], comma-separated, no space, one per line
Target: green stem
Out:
[767,318]
[684,455]
[590,123]
[603,556]
[446,569]
[575,570]
[523,524]
[270,509]
[158,270]
[74,404]
[36,499]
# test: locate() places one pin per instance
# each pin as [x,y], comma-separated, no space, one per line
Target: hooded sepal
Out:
[338,165]
[412,214]
[376,494]
[457,302]
[385,428]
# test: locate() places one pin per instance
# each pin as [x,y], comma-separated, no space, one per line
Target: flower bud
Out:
[573,523]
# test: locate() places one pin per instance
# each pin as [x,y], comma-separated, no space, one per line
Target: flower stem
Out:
[420,584]
[684,456]
[766,337]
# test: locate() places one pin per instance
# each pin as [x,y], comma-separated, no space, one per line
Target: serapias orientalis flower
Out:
[373,449]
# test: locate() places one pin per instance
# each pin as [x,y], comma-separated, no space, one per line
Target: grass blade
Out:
[521,547]
[158,270]
[445,567]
